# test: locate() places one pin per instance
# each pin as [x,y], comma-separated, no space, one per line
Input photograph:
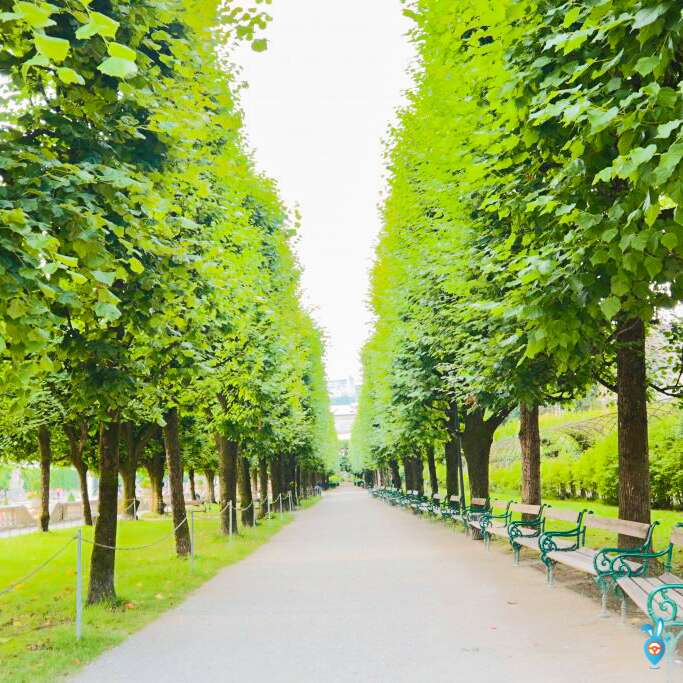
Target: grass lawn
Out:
[600,539]
[37,632]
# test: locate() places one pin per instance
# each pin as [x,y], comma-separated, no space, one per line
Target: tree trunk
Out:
[282,474]
[210,485]
[395,473]
[419,474]
[78,438]
[634,468]
[431,463]
[227,480]
[530,442]
[451,453]
[263,485]
[476,441]
[244,483]
[45,462]
[128,470]
[175,476]
[193,490]
[101,587]
[155,471]
[254,485]
[291,478]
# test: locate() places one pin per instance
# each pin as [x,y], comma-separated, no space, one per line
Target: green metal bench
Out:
[593,561]
[492,524]
[473,512]
[534,535]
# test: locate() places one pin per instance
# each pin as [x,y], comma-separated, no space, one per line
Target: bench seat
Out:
[639,589]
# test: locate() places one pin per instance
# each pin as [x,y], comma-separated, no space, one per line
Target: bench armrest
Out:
[617,565]
[668,610]
[547,544]
[487,517]
[516,528]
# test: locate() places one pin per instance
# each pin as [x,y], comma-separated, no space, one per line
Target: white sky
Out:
[317,108]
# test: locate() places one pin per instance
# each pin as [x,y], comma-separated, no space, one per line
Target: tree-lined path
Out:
[357,591]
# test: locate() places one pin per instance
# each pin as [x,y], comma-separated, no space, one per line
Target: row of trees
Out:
[149,308]
[533,233]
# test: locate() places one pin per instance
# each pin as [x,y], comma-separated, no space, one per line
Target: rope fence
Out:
[79,539]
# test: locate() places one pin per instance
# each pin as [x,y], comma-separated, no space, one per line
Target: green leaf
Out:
[259,45]
[104,278]
[668,162]
[135,265]
[653,266]
[647,16]
[68,76]
[664,130]
[16,309]
[121,51]
[646,65]
[37,15]
[56,49]
[599,119]
[670,240]
[99,24]
[620,285]
[118,68]
[610,307]
[107,312]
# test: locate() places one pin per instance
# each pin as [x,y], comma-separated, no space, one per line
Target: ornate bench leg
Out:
[487,540]
[550,573]
[515,555]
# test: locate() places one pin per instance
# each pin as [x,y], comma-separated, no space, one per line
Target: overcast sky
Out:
[317,108]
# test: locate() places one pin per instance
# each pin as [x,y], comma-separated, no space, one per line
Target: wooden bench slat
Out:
[525,509]
[635,590]
[620,526]
[560,513]
[677,536]
[478,501]
[577,559]
[527,542]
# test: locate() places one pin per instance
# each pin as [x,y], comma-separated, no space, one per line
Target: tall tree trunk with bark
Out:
[282,474]
[477,439]
[634,464]
[175,476]
[409,472]
[431,464]
[244,484]
[210,485]
[291,478]
[263,485]
[193,488]
[227,480]
[395,473]
[44,443]
[77,436]
[254,485]
[418,468]
[101,588]
[451,453]
[136,438]
[530,442]
[155,471]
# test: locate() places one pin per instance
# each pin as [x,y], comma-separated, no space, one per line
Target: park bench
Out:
[492,524]
[660,597]
[474,512]
[594,561]
[527,533]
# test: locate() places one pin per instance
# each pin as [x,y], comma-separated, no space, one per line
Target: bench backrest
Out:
[619,526]
[677,536]
[479,502]
[499,504]
[436,497]
[526,509]
[563,514]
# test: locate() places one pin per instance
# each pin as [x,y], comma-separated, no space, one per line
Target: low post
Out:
[230,518]
[192,536]
[291,501]
[268,506]
[79,583]
[280,505]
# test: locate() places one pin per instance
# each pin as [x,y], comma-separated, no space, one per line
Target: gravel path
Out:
[355,590]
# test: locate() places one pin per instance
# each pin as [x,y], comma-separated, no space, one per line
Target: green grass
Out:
[37,631]
[595,538]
